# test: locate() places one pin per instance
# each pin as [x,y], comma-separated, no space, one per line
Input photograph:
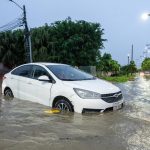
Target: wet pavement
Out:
[25,126]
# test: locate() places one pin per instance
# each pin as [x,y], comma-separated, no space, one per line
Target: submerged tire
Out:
[64,105]
[8,93]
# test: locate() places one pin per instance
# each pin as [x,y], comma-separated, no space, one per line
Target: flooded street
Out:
[25,126]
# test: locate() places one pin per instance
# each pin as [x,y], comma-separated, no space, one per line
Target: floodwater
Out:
[25,126]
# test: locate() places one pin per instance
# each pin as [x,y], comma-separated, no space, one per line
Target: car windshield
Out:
[68,73]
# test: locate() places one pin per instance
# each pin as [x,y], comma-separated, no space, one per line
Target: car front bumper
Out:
[80,105]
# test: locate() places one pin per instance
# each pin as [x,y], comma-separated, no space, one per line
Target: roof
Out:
[46,63]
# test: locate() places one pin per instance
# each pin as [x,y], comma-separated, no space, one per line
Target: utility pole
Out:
[27,36]
[132,53]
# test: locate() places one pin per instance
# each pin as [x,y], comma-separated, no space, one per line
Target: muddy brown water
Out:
[25,126]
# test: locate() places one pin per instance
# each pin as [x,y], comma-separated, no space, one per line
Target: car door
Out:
[40,90]
[19,79]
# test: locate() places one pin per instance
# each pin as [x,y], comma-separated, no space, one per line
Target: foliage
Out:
[124,70]
[146,64]
[107,64]
[128,69]
[12,51]
[75,43]
[132,67]
[122,78]
[72,42]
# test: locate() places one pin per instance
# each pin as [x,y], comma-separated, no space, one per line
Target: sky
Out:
[120,19]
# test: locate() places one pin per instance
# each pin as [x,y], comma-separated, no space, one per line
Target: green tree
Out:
[72,42]
[146,64]
[132,67]
[12,48]
[115,67]
[67,41]
[125,70]
[107,64]
[128,69]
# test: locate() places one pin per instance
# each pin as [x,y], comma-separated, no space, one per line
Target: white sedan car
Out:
[61,86]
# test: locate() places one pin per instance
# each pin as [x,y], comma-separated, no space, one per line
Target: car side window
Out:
[39,71]
[24,71]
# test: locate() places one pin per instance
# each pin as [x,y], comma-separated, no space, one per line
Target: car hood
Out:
[97,85]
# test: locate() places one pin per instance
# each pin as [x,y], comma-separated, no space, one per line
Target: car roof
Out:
[46,63]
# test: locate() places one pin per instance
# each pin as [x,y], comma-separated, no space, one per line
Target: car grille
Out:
[113,97]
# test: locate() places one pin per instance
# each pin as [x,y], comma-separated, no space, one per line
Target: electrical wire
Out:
[18,22]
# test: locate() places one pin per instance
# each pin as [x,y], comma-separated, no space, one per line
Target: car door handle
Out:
[11,78]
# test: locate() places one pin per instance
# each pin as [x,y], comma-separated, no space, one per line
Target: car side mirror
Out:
[44,78]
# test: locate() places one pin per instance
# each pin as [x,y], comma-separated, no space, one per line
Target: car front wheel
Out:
[64,105]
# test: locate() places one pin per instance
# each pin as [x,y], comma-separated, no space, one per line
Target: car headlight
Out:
[85,94]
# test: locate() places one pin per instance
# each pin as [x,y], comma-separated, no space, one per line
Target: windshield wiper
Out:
[68,80]
[79,79]
[89,78]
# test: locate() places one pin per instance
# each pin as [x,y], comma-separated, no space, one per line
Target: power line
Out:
[21,21]
[11,26]
[16,19]
[18,22]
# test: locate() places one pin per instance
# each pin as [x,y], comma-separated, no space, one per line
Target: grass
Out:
[119,79]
